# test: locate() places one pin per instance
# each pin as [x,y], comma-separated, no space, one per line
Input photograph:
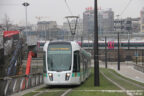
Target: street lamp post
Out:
[25,4]
[128,39]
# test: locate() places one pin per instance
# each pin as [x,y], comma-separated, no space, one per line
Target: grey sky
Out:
[57,10]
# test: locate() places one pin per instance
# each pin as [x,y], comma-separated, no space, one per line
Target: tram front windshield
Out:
[59,57]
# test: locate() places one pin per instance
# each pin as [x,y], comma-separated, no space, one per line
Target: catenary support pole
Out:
[118,53]
[105,52]
[96,59]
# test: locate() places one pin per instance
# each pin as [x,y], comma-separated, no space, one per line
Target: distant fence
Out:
[13,84]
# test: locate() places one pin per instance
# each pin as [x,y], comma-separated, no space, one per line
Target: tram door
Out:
[76,66]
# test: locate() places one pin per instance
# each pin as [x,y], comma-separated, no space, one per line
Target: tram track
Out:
[118,85]
[38,94]
[110,75]
[128,81]
[66,92]
[63,92]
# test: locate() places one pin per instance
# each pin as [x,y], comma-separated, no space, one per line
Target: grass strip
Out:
[123,83]
[104,84]
[52,93]
[76,93]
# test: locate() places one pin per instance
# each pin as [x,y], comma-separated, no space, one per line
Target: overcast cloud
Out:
[56,9]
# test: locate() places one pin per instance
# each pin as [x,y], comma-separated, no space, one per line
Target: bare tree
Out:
[7,22]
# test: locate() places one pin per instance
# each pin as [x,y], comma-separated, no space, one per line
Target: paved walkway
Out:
[127,71]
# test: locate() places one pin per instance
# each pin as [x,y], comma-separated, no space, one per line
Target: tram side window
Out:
[76,66]
[44,63]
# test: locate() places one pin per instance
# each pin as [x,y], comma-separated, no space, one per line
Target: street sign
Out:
[10,33]
[111,44]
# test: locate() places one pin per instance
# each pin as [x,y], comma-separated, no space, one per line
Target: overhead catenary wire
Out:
[125,8]
[68,7]
[72,30]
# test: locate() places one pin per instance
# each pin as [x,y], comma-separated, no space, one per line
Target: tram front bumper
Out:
[71,81]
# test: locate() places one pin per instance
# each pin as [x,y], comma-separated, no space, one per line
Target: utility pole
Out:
[128,39]
[129,22]
[118,53]
[142,57]
[82,41]
[105,52]
[136,55]
[96,59]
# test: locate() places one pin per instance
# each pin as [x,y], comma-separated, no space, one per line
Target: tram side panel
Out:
[84,66]
[76,75]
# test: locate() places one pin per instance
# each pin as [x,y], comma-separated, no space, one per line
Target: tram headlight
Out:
[50,76]
[67,76]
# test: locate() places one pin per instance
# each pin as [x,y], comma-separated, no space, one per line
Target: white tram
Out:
[65,63]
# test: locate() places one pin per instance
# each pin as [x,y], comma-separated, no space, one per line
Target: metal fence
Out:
[139,60]
[13,84]
[134,57]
